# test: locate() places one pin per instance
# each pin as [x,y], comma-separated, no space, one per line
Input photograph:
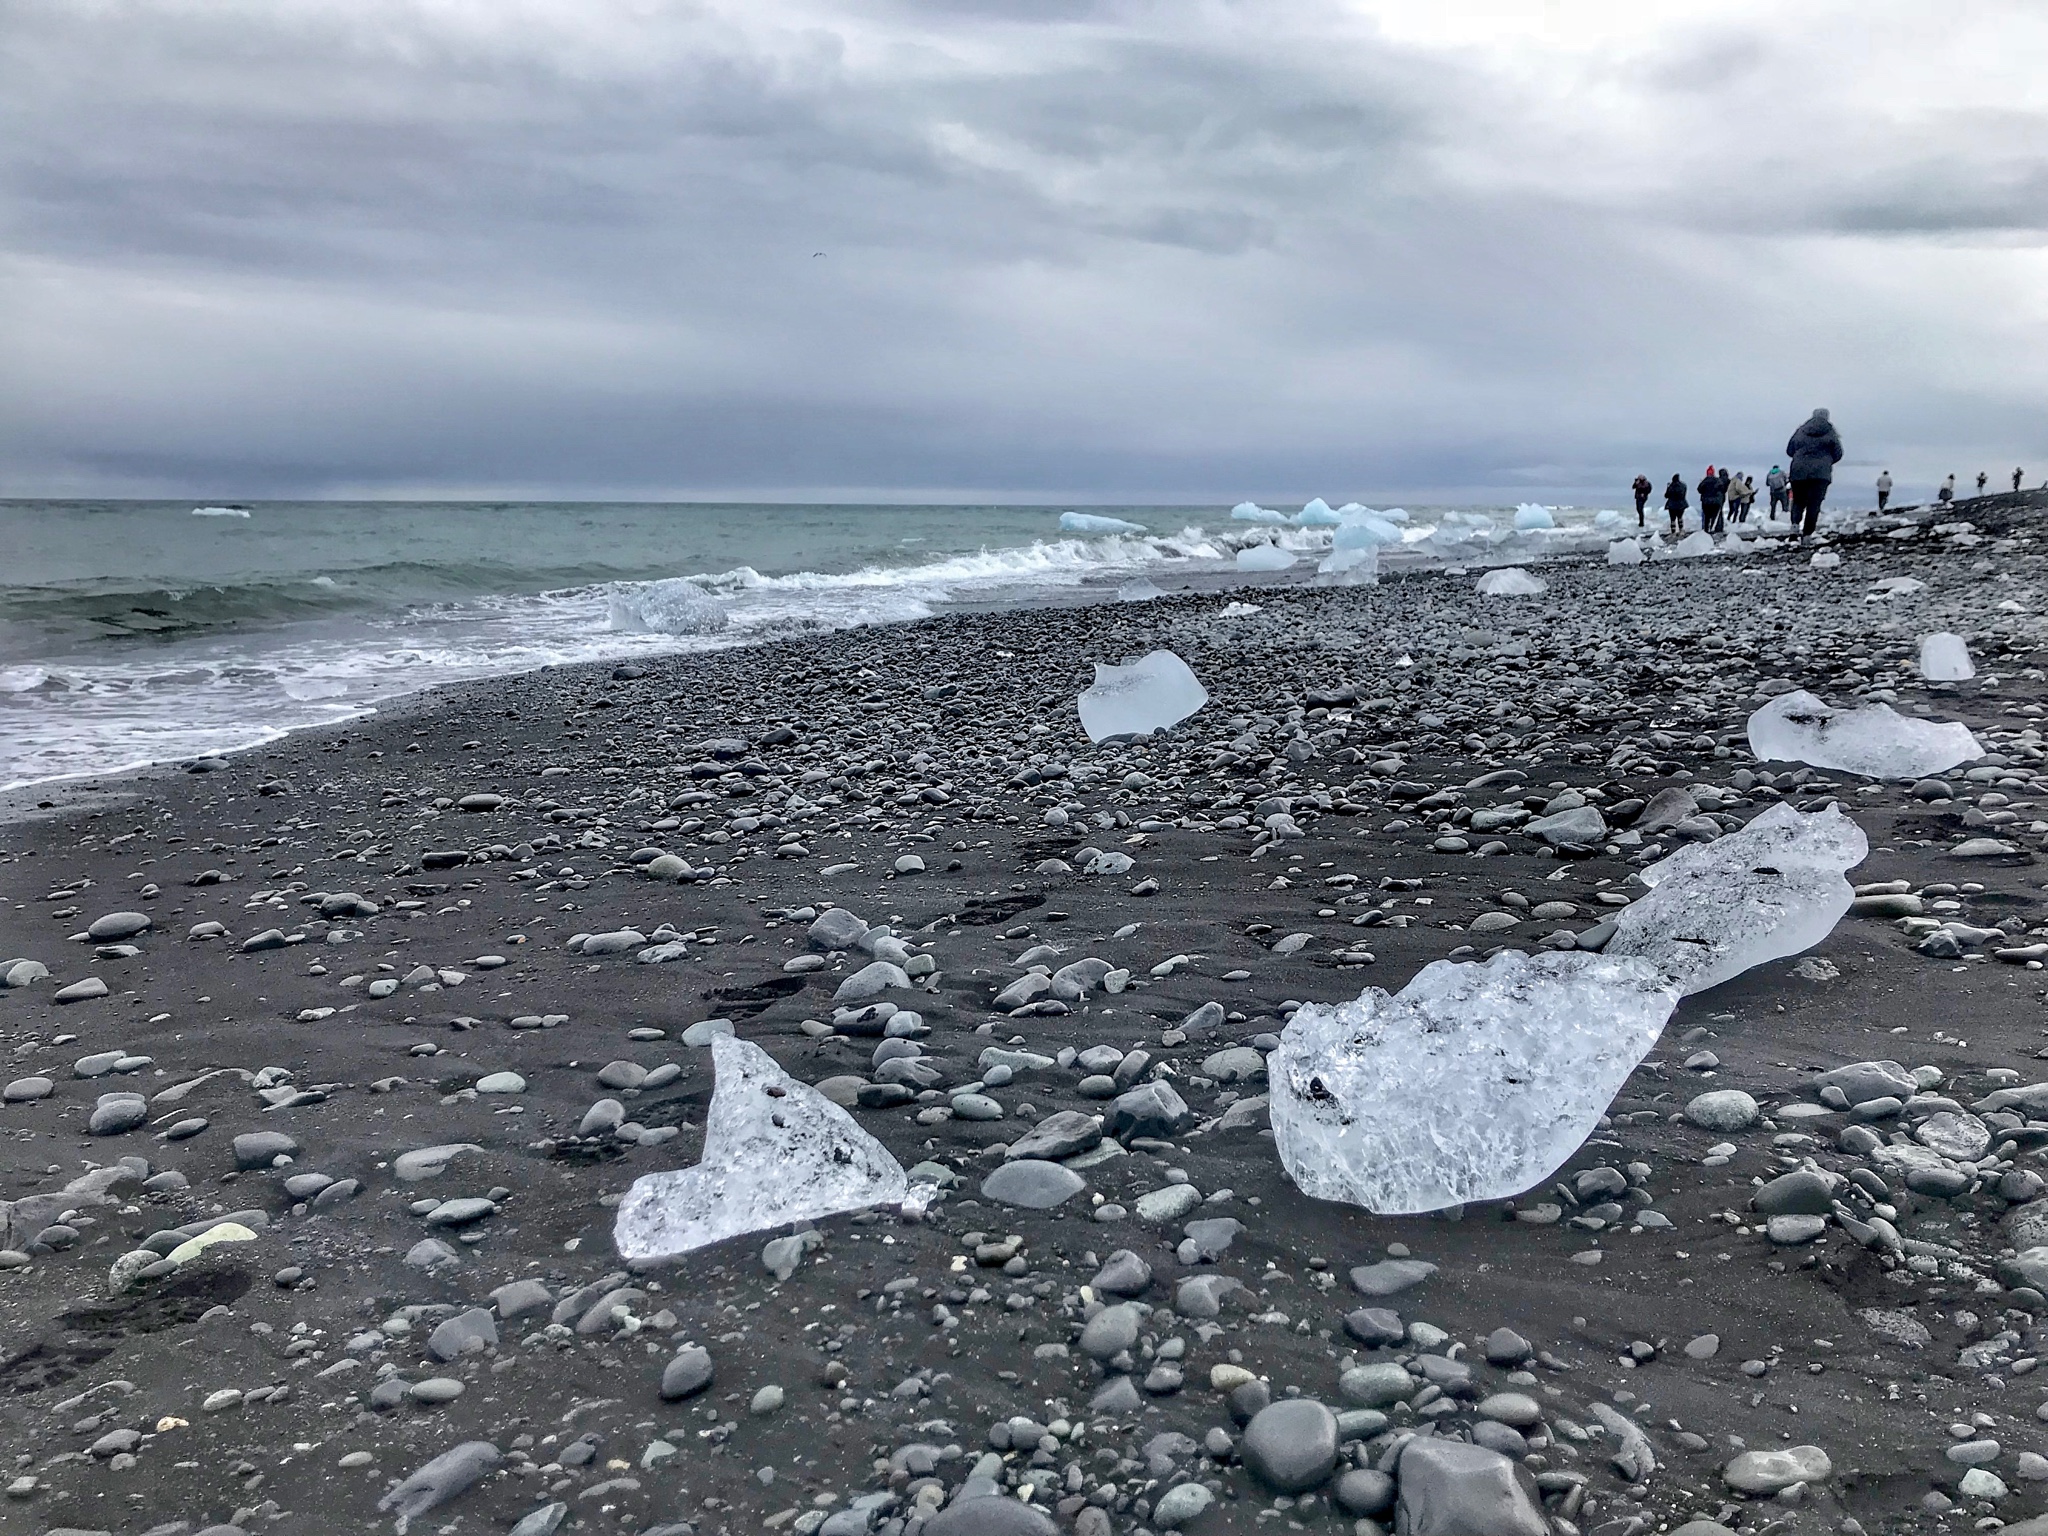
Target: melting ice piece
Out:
[1716,909]
[1317,514]
[675,606]
[1264,557]
[1149,695]
[1875,740]
[1090,522]
[1252,512]
[775,1151]
[1512,581]
[1531,514]
[1624,552]
[1700,543]
[1359,566]
[1143,590]
[1944,658]
[1476,1082]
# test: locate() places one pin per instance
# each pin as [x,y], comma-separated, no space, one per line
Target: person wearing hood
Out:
[1814,449]
[1675,504]
[1884,488]
[1776,482]
[1743,492]
[1947,493]
[2017,476]
[1713,489]
[1642,489]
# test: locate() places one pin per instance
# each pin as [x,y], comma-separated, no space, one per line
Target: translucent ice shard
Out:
[1945,658]
[1091,522]
[1264,557]
[1512,581]
[1624,552]
[1875,740]
[1476,1082]
[1150,694]
[1716,909]
[775,1151]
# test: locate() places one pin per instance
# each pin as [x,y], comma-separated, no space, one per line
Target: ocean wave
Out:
[220,511]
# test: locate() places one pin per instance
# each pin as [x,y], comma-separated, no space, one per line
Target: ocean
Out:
[136,632]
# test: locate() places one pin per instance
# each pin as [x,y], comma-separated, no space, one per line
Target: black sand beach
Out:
[1626,1364]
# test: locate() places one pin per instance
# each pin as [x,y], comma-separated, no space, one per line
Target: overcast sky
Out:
[1013,248]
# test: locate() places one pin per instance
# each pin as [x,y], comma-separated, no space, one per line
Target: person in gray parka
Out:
[1814,450]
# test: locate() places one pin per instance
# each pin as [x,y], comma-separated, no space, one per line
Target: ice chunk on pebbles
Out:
[1512,581]
[1475,1082]
[1875,740]
[1149,695]
[775,1151]
[1264,557]
[1716,909]
[1945,658]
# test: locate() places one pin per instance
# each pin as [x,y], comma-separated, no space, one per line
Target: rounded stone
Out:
[1033,1184]
[118,925]
[435,1390]
[1291,1446]
[501,1082]
[1380,1385]
[1725,1109]
[1180,1504]
[1515,1409]
[687,1374]
[993,1515]
[1364,1495]
[1765,1472]
[1110,1332]
[1790,1231]
[26,1090]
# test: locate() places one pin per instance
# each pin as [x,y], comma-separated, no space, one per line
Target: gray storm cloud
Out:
[1125,251]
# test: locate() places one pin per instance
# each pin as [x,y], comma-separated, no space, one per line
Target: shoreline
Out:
[809,770]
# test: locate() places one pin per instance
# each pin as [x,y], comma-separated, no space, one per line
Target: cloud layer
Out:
[1010,247]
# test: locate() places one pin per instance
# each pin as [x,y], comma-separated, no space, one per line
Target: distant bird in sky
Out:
[816,254]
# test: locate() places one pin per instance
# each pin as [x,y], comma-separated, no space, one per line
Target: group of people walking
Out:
[1797,488]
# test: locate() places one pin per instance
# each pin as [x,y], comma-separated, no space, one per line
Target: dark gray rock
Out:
[1863,1081]
[466,1333]
[1390,1277]
[448,1475]
[687,1374]
[1291,1446]
[1153,1109]
[1375,1327]
[1058,1136]
[260,1149]
[1364,1495]
[116,1113]
[1032,1184]
[1802,1192]
[1110,1332]
[990,1516]
[1123,1274]
[1449,1488]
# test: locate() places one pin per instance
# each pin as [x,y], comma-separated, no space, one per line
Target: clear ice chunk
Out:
[1475,1082]
[775,1151]
[1875,740]
[1092,522]
[1624,552]
[1945,658]
[1150,694]
[1716,909]
[1264,557]
[1512,581]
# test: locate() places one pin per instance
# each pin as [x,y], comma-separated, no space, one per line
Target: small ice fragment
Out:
[1237,610]
[1944,658]
[1252,512]
[1607,517]
[1476,1082]
[1317,514]
[1359,567]
[1512,581]
[1700,543]
[1718,909]
[1875,740]
[1896,586]
[1264,557]
[1533,515]
[1150,694]
[1824,560]
[1143,590]
[675,606]
[1624,552]
[1091,522]
[775,1151]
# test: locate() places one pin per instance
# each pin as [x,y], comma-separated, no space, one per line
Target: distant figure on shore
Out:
[1884,488]
[1675,504]
[1713,497]
[1815,448]
[1743,494]
[1642,489]
[1779,484]
[1947,493]
[1981,478]
[2016,476]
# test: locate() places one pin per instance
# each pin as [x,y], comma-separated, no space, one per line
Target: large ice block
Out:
[1264,557]
[1476,1082]
[1150,694]
[776,1151]
[1945,658]
[1874,740]
[1512,581]
[1716,909]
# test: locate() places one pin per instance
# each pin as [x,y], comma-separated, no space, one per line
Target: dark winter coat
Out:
[1675,499]
[1713,491]
[1815,449]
